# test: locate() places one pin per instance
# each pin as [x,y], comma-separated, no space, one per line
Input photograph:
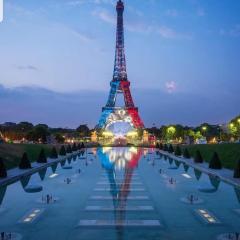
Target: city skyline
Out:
[56,64]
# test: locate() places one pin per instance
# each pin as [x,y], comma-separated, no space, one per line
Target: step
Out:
[127,208]
[124,223]
[123,190]
[112,198]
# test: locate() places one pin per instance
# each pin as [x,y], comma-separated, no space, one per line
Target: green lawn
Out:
[12,153]
[229,153]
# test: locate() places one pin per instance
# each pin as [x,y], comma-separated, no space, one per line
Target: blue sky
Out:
[183,60]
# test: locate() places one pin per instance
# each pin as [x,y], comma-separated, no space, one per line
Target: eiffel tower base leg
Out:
[111,115]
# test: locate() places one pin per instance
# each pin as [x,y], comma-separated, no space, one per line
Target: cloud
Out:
[141,27]
[76,3]
[27,67]
[105,16]
[40,105]
[233,32]
[172,13]
[201,12]
[171,86]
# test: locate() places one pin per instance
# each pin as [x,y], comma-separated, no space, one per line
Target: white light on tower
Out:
[1,10]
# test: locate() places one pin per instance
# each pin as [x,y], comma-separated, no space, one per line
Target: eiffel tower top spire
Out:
[120,72]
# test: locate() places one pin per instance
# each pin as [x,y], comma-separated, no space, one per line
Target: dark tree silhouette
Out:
[62,151]
[82,145]
[42,157]
[74,147]
[3,171]
[25,163]
[186,153]
[170,149]
[215,162]
[161,146]
[54,153]
[178,151]
[165,147]
[69,149]
[198,157]
[237,170]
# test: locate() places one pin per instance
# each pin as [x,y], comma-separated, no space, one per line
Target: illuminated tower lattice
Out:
[120,85]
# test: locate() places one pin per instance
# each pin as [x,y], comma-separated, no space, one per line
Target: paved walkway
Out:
[15,174]
[224,174]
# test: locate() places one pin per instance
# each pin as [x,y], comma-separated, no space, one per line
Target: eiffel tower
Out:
[120,85]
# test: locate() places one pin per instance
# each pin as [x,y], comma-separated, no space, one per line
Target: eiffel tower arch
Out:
[120,85]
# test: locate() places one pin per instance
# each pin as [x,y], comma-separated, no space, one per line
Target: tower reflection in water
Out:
[120,164]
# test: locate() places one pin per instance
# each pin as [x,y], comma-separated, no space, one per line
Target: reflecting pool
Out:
[119,193]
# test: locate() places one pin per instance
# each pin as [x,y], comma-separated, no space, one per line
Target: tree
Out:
[25,163]
[39,133]
[215,162]
[198,157]
[170,149]
[83,130]
[234,127]
[157,145]
[62,151]
[161,146]
[74,147]
[186,153]
[59,138]
[69,149]
[237,170]
[54,153]
[178,151]
[3,171]
[82,145]
[42,157]
[165,147]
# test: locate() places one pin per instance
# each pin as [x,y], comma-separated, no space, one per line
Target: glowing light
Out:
[204,128]
[53,175]
[107,134]
[207,216]
[186,175]
[132,134]
[30,217]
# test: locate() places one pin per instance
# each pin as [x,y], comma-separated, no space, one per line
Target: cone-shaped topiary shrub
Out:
[69,149]
[165,147]
[178,151]
[237,170]
[3,171]
[198,157]
[62,151]
[157,146]
[82,145]
[54,153]
[215,162]
[170,149]
[161,146]
[42,157]
[74,147]
[24,163]
[186,153]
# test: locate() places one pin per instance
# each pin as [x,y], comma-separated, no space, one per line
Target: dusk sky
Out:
[183,60]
